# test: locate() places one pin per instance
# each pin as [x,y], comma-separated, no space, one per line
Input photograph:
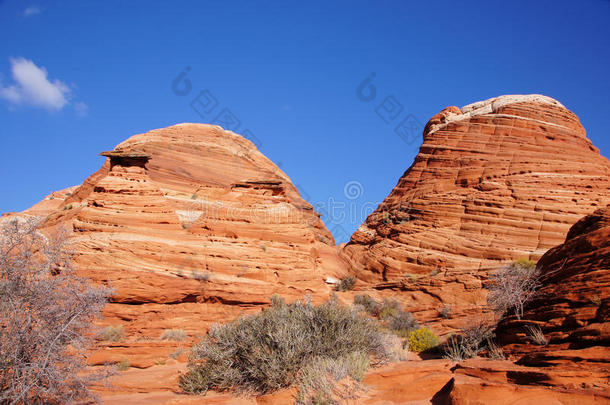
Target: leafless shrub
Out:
[319,380]
[536,335]
[396,319]
[369,304]
[199,276]
[512,287]
[445,312]
[46,314]
[123,365]
[453,350]
[173,334]
[494,352]
[469,342]
[112,333]
[277,347]
[346,284]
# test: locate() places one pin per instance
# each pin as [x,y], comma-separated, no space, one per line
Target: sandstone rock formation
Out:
[190,225]
[572,310]
[494,181]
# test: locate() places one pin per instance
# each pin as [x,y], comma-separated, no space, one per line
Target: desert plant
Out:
[46,315]
[112,333]
[173,334]
[346,284]
[421,340]
[123,365]
[68,207]
[536,335]
[402,323]
[389,308]
[318,380]
[271,350]
[453,350]
[397,320]
[199,276]
[445,312]
[176,354]
[494,351]
[369,304]
[469,342]
[512,287]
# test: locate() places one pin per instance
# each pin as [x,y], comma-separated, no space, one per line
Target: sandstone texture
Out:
[572,309]
[190,225]
[493,182]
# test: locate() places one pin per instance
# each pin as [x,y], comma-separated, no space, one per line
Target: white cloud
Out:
[32,87]
[31,10]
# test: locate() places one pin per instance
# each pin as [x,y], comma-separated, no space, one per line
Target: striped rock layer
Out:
[494,181]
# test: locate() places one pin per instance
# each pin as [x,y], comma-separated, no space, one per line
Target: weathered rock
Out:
[190,225]
[572,309]
[494,181]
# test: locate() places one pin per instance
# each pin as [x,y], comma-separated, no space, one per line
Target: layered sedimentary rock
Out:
[494,181]
[190,225]
[572,310]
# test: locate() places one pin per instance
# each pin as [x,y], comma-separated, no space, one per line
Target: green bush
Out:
[421,340]
[276,348]
[346,284]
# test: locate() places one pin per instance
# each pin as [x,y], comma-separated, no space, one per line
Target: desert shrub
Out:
[421,340]
[176,354]
[536,335]
[369,304]
[494,352]
[173,334]
[402,323]
[319,378]
[389,309]
[445,312]
[273,349]
[112,333]
[199,276]
[512,287]
[68,207]
[469,342]
[123,365]
[46,315]
[453,350]
[525,263]
[397,320]
[346,284]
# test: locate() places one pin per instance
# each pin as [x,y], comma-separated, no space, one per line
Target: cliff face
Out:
[572,309]
[494,181]
[190,225]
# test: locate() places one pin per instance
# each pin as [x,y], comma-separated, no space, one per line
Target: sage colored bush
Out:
[284,344]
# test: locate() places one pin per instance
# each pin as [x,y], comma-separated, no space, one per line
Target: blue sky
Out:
[289,72]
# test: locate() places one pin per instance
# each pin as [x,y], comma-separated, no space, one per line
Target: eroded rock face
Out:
[572,310]
[191,225]
[494,181]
